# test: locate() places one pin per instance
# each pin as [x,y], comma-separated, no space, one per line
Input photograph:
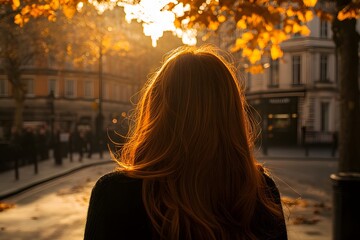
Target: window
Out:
[3,87]
[296,69]
[274,73]
[323,68]
[29,86]
[323,29]
[69,88]
[52,86]
[88,89]
[324,111]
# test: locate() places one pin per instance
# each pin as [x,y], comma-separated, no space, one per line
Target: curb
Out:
[39,182]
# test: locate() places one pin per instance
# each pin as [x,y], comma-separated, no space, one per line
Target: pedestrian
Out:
[188,170]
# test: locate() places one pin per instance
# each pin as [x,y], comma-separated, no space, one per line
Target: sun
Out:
[156,19]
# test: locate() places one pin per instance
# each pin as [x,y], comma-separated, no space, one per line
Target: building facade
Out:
[295,94]
[298,94]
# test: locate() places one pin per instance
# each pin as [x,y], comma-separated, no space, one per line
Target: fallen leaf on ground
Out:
[303,220]
[294,202]
[4,206]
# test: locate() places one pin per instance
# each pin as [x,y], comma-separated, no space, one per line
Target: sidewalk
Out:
[47,170]
[296,153]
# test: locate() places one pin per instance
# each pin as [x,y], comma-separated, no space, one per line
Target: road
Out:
[57,209]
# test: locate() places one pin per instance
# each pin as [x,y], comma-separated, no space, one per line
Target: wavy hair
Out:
[192,146]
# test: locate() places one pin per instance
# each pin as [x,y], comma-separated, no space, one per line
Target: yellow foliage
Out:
[310,3]
[278,36]
[296,28]
[288,29]
[52,17]
[69,11]
[121,46]
[309,15]
[19,20]
[269,27]
[241,24]
[69,49]
[221,18]
[290,12]
[247,36]
[276,52]
[255,69]
[352,13]
[15,4]
[305,31]
[239,44]
[255,19]
[54,4]
[213,25]
[255,56]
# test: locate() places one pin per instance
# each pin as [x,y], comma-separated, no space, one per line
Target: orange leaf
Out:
[69,11]
[15,4]
[310,3]
[276,52]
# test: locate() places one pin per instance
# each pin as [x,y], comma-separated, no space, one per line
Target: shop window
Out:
[296,69]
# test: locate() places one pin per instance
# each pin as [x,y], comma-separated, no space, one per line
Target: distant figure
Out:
[89,143]
[78,143]
[29,146]
[188,170]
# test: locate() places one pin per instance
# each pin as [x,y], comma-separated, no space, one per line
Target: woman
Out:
[188,170]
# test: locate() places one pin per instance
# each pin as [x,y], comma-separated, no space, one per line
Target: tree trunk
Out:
[346,39]
[349,99]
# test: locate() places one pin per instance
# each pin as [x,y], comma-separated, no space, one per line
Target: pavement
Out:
[48,170]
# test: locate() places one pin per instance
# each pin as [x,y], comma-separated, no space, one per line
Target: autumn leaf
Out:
[276,52]
[241,24]
[221,18]
[305,31]
[15,4]
[255,69]
[54,4]
[19,20]
[310,3]
[213,25]
[4,206]
[255,56]
[69,11]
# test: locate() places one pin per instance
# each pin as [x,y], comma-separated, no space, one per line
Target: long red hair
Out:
[192,146]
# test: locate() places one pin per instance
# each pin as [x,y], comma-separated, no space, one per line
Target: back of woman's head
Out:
[191,144]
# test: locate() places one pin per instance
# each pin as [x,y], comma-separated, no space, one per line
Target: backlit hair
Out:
[192,146]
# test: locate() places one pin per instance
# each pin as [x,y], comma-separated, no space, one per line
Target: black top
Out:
[116,211]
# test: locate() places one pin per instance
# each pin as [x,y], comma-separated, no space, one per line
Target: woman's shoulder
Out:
[116,180]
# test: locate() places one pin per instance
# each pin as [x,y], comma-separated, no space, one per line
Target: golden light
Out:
[114,121]
[157,19]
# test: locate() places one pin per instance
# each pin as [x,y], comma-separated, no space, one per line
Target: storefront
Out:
[279,119]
